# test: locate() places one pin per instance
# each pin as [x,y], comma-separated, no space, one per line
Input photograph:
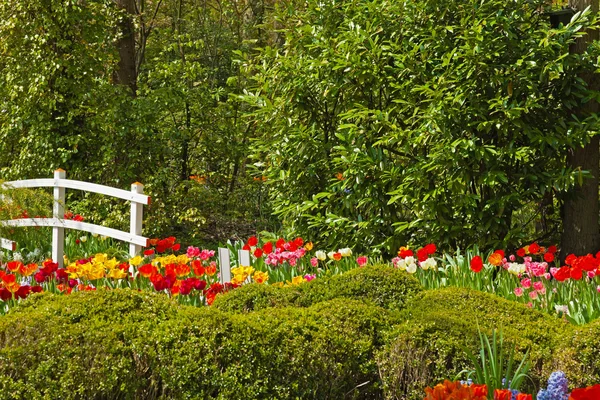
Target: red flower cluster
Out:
[162,245]
[9,287]
[49,271]
[424,253]
[506,394]
[576,265]
[76,217]
[535,249]
[169,281]
[456,391]
[588,393]
[267,248]
[217,288]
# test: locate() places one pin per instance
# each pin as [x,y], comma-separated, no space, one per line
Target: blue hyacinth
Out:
[557,388]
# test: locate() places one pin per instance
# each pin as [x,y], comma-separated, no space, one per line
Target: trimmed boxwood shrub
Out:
[439,324]
[382,285]
[127,344]
[325,351]
[78,346]
[578,355]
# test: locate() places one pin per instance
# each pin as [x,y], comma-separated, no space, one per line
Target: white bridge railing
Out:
[136,196]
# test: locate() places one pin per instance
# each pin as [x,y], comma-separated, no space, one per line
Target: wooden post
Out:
[224,265]
[136,218]
[58,212]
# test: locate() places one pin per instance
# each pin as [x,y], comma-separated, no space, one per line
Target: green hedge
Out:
[79,346]
[578,355]
[126,344]
[439,324]
[382,285]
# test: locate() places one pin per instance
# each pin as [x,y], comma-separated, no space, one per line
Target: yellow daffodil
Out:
[136,261]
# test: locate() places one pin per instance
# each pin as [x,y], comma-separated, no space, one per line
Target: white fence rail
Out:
[136,196]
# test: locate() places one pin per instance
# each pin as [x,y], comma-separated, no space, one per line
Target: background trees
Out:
[371,124]
[421,121]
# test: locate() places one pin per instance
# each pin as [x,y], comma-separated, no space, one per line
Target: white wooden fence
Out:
[225,262]
[136,196]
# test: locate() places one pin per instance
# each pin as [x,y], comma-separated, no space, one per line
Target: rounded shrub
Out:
[127,344]
[381,285]
[440,324]
[324,351]
[78,346]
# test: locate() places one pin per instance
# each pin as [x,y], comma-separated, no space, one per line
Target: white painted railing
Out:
[136,196]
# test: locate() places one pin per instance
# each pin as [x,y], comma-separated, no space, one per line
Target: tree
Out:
[421,121]
[581,225]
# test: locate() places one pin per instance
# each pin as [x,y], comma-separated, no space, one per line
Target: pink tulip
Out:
[362,260]
[314,261]
[533,295]
[518,292]
[591,274]
[526,283]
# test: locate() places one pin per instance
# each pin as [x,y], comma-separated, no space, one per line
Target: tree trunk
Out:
[126,73]
[581,232]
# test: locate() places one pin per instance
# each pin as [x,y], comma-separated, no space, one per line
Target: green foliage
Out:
[496,367]
[18,203]
[182,134]
[326,351]
[384,286]
[420,121]
[127,344]
[78,346]
[440,324]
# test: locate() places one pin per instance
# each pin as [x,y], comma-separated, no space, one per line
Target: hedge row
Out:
[381,285]
[125,344]
[352,336]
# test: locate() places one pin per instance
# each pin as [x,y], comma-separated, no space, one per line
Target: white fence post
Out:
[224,265]
[58,212]
[8,244]
[244,258]
[136,218]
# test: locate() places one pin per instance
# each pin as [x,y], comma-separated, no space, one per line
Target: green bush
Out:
[325,351]
[384,286]
[78,346]
[440,324]
[127,344]
[578,355]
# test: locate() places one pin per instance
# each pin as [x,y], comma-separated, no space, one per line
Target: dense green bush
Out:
[578,355]
[384,286]
[419,121]
[80,346]
[325,351]
[125,344]
[440,324]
